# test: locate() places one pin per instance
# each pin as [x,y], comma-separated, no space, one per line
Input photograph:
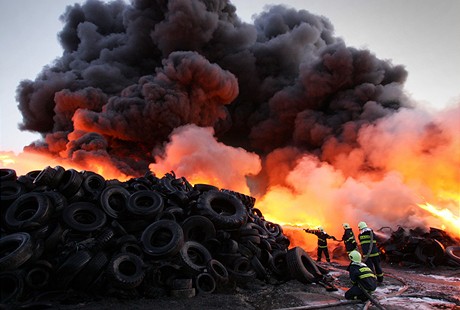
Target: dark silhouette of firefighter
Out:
[322,242]
[348,238]
[362,278]
[371,254]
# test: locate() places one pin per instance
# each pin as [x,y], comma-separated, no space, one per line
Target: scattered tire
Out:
[194,257]
[15,250]
[223,209]
[198,228]
[163,238]
[114,200]
[453,252]
[145,204]
[205,283]
[298,265]
[31,209]
[84,217]
[126,270]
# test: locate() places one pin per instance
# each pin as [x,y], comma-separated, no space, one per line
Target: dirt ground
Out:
[408,287]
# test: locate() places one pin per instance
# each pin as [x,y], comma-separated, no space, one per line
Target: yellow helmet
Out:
[320,228]
[346,225]
[362,225]
[355,256]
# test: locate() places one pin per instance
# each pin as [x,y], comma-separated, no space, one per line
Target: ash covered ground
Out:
[404,287]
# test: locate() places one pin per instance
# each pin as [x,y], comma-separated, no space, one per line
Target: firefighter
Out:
[361,277]
[322,242]
[348,238]
[370,250]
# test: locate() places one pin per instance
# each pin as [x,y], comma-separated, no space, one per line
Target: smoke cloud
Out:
[282,104]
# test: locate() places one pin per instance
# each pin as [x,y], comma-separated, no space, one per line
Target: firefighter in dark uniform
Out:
[322,242]
[348,238]
[361,277]
[370,250]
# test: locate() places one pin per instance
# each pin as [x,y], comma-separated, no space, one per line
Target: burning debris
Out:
[432,248]
[146,237]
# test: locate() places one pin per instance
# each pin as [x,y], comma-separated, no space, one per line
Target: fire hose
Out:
[371,245]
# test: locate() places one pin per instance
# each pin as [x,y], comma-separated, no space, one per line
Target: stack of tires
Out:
[67,230]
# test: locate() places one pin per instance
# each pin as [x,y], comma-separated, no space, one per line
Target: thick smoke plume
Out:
[282,103]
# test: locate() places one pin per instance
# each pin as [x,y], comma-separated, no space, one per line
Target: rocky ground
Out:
[408,287]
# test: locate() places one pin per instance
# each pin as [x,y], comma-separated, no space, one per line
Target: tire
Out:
[278,265]
[145,203]
[198,228]
[91,271]
[218,271]
[15,250]
[93,185]
[162,239]
[31,209]
[126,270]
[84,217]
[71,267]
[205,283]
[194,257]
[223,209]
[10,191]
[298,264]
[11,287]
[454,253]
[7,175]
[114,200]
[430,252]
[70,182]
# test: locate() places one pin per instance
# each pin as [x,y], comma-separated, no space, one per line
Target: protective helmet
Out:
[320,228]
[346,225]
[355,256]
[362,225]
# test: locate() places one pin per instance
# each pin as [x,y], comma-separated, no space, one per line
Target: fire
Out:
[28,161]
[450,221]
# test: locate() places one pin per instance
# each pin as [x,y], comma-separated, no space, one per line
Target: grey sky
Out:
[422,35]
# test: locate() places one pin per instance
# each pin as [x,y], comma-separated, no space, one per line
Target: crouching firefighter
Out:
[361,276]
[322,242]
[370,250]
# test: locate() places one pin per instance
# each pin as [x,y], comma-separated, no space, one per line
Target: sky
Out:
[422,35]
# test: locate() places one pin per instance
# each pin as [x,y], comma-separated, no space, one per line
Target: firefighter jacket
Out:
[362,275]
[322,237]
[368,242]
[349,240]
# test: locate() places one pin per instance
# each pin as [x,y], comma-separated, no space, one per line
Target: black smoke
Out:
[131,73]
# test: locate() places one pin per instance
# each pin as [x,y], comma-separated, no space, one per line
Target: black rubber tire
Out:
[145,203]
[218,271]
[38,277]
[11,287]
[205,283]
[298,264]
[91,271]
[71,267]
[430,251]
[7,174]
[93,185]
[84,217]
[114,200]
[194,257]
[10,191]
[162,239]
[278,265]
[45,177]
[28,209]
[198,228]
[70,182]
[223,209]
[126,270]
[248,201]
[205,187]
[454,253]
[15,250]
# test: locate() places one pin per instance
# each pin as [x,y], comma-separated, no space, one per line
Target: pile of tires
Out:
[67,230]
